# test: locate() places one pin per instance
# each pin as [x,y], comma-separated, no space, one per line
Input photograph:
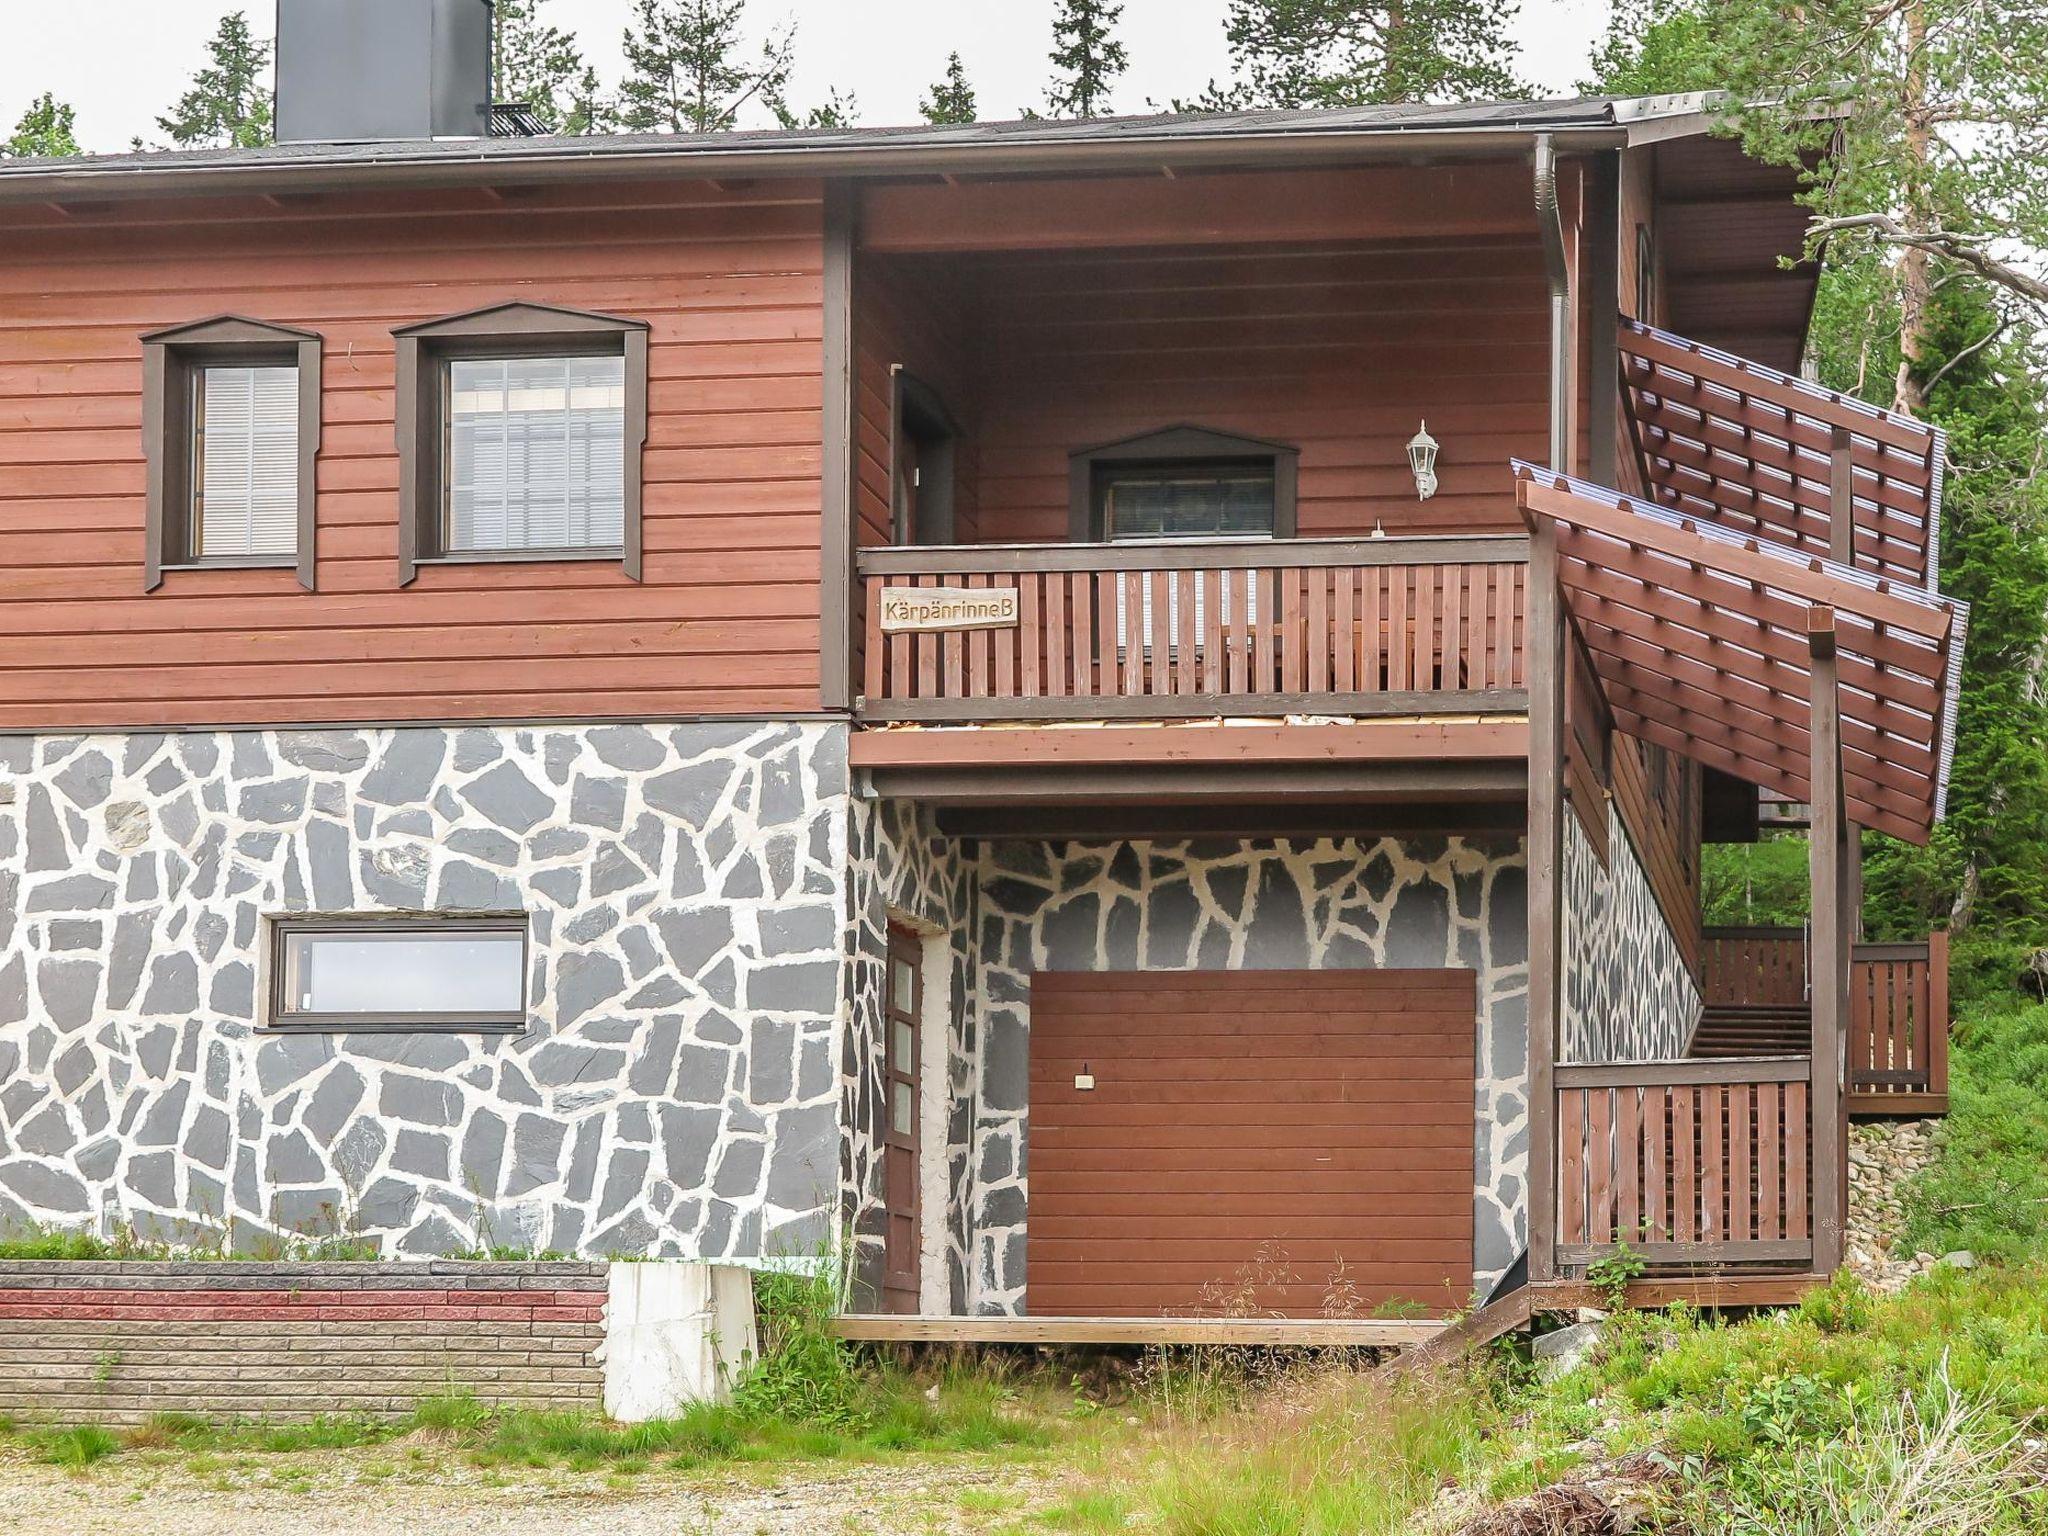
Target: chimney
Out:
[363,71]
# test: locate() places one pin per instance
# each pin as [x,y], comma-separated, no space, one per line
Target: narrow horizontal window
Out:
[245,460]
[536,454]
[400,973]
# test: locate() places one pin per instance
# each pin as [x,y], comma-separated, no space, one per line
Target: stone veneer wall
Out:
[1423,902]
[674,1094]
[1628,995]
[117,1342]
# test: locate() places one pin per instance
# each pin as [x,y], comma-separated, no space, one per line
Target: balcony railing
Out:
[1174,629]
[1687,1162]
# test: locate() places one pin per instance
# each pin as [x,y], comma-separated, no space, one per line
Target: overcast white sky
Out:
[121,62]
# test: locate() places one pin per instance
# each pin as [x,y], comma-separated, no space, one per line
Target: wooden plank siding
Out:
[730,284]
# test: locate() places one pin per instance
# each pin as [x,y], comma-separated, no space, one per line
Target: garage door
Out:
[1274,1141]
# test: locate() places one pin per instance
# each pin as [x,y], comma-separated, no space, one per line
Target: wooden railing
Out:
[1688,1162]
[1898,1018]
[1898,1001]
[1753,967]
[1178,629]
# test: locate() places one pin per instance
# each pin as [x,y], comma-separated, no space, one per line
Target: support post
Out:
[836,608]
[1842,548]
[1603,301]
[1937,1011]
[1827,866]
[1546,664]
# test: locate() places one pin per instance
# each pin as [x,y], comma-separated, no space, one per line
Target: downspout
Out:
[1551,222]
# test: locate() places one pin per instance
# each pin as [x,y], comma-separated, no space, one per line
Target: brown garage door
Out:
[1291,1141]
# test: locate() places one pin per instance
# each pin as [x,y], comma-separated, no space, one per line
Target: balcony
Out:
[1180,630]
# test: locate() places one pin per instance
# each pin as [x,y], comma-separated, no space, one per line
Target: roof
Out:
[1700,639]
[1225,137]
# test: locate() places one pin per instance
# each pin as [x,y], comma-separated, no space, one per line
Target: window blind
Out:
[246,442]
[536,453]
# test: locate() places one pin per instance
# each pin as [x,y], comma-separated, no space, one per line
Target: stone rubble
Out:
[1883,1157]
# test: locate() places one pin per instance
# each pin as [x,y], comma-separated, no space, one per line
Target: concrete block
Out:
[675,1333]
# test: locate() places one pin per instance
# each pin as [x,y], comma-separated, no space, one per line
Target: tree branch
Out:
[1940,242]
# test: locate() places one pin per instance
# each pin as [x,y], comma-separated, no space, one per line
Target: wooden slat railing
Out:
[1688,1162]
[1898,1018]
[1178,629]
[1753,967]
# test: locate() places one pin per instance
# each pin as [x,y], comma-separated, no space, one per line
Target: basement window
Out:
[520,430]
[231,430]
[406,973]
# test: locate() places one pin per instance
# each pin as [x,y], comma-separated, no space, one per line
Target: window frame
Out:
[919,415]
[511,330]
[172,361]
[1182,444]
[282,1019]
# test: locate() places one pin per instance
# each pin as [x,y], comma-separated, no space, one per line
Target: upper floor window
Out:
[520,429]
[231,428]
[1182,483]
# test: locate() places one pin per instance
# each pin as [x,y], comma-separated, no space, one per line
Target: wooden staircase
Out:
[1729,1029]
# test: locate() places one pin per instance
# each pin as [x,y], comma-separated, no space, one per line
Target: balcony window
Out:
[1181,483]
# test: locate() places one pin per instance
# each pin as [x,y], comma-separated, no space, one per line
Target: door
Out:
[903,1007]
[1292,1142]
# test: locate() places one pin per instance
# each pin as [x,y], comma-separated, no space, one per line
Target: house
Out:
[1120,714]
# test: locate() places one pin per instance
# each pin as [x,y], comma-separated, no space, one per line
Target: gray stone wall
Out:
[675,1093]
[1390,902]
[1628,995]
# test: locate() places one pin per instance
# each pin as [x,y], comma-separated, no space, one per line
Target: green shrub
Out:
[1987,1190]
[806,1373]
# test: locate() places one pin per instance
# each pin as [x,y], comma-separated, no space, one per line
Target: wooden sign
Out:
[915,610]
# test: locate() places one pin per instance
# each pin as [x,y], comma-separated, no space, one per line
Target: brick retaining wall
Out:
[117,1342]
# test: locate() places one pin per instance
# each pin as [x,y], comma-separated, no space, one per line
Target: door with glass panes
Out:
[902,1008]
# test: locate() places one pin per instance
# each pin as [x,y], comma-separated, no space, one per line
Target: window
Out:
[1184,482]
[520,429]
[231,432]
[399,973]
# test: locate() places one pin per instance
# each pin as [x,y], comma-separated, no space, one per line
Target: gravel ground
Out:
[379,1493]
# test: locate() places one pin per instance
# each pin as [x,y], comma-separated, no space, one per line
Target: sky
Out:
[122,62]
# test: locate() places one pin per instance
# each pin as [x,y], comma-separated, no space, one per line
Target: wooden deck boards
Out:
[1272,1332]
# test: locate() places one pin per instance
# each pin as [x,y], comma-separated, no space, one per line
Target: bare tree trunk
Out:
[1915,276]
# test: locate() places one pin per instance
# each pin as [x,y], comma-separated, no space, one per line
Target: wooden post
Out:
[1602,236]
[1842,548]
[1546,672]
[1826,856]
[1937,1011]
[836,606]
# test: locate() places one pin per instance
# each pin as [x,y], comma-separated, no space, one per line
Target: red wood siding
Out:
[1341,351]
[726,620]
[1291,1141]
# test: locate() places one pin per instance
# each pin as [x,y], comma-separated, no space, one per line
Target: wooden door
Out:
[1295,1142]
[902,1009]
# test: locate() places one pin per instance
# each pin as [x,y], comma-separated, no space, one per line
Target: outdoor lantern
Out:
[1422,459]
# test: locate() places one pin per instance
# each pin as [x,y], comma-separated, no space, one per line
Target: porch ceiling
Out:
[1700,639]
[1753,449]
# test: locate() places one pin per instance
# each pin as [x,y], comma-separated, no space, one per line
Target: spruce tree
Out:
[540,65]
[950,100]
[46,128]
[1338,53]
[1086,58]
[228,105]
[685,71]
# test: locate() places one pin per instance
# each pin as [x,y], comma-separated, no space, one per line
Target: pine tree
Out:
[588,108]
[840,109]
[46,128]
[1086,58]
[684,70]
[228,105]
[540,65]
[1337,53]
[950,100]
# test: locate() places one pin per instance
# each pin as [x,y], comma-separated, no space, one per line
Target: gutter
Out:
[410,165]
[1551,223]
